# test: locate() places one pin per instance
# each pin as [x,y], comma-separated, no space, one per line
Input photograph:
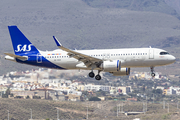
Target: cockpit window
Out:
[164,53]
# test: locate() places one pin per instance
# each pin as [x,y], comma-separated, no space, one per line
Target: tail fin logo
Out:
[24,48]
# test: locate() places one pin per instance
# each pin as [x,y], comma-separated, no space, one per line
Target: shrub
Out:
[94,99]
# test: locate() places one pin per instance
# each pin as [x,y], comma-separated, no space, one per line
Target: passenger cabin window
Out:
[164,53]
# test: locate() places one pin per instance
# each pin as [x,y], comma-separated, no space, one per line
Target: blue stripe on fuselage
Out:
[32,60]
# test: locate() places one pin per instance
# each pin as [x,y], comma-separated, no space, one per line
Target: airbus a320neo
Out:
[115,61]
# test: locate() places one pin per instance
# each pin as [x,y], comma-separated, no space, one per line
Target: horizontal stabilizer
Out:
[17,56]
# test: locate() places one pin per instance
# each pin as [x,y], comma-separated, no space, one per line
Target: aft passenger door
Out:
[39,58]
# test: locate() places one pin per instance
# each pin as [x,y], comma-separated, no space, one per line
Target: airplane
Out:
[115,61]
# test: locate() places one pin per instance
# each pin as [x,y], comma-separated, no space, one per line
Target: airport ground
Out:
[20,109]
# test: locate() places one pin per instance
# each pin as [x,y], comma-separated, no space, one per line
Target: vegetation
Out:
[157,91]
[36,97]
[101,93]
[8,92]
[94,99]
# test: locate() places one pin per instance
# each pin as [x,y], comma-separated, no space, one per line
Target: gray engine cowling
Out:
[122,72]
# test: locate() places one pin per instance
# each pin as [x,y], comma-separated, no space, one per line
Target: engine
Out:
[123,72]
[114,67]
[111,66]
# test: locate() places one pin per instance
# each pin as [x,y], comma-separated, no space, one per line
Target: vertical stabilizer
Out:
[20,43]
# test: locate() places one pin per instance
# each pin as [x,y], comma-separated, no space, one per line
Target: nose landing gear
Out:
[152,72]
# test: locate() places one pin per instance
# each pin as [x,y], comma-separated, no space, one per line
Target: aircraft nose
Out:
[172,59]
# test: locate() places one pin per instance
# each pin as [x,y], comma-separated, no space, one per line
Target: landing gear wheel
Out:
[153,74]
[98,77]
[91,74]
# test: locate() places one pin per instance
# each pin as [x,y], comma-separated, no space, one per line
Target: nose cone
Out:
[172,59]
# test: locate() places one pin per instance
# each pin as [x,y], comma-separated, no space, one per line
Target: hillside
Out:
[162,6]
[41,109]
[19,109]
[83,26]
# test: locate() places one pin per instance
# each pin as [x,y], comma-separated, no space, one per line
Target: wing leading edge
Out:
[86,59]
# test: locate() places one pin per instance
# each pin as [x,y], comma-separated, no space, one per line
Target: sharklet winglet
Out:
[57,42]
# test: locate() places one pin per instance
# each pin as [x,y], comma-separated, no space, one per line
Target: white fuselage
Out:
[132,57]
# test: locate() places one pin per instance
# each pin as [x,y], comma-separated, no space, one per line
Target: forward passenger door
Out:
[151,53]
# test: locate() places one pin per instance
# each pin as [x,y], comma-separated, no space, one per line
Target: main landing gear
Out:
[91,74]
[97,77]
[152,72]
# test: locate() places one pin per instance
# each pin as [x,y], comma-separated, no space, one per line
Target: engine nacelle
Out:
[123,72]
[111,66]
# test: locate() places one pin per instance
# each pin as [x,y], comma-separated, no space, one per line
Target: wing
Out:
[86,59]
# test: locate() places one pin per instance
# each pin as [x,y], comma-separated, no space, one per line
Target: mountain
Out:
[88,25]
[161,6]
[174,4]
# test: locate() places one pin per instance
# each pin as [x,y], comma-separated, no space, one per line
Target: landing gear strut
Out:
[152,72]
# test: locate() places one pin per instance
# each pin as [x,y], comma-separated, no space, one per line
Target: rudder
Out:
[20,43]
